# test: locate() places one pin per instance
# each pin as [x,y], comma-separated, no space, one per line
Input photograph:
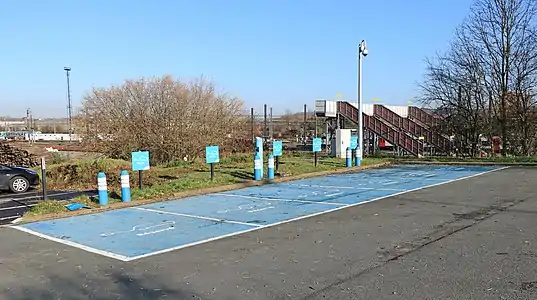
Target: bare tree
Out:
[170,118]
[504,31]
[493,64]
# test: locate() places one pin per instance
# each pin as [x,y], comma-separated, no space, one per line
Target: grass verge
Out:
[185,179]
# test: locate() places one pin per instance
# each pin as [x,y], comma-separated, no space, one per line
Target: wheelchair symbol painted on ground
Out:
[251,208]
[145,229]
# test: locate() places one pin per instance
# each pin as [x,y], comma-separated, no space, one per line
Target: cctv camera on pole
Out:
[362,51]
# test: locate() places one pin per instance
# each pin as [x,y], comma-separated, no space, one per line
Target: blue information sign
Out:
[212,154]
[140,160]
[354,142]
[277,148]
[317,144]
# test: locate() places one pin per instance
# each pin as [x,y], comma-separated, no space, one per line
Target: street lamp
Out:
[362,51]
[69,107]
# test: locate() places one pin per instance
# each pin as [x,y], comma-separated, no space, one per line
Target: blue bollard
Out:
[125,186]
[357,158]
[257,167]
[270,169]
[102,188]
[348,159]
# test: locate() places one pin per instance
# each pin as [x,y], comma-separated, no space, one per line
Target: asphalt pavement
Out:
[468,239]
[13,206]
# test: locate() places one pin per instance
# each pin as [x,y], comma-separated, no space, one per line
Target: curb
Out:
[197,192]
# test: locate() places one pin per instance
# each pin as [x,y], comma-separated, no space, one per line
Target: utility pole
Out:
[69,106]
[27,120]
[271,126]
[29,125]
[305,112]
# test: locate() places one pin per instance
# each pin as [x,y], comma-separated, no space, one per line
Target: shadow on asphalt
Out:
[125,287]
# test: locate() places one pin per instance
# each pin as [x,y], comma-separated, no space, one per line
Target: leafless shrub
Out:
[170,118]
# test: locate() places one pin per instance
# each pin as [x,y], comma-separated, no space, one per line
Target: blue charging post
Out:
[102,188]
[348,157]
[259,150]
[277,151]
[357,158]
[125,186]
[270,168]
[257,167]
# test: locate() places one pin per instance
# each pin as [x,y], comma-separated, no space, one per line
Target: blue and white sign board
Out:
[140,160]
[354,142]
[212,154]
[259,146]
[277,148]
[317,144]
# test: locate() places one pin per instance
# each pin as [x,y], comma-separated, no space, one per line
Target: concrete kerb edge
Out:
[198,192]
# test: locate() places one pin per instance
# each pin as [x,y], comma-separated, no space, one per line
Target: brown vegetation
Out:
[16,157]
[171,119]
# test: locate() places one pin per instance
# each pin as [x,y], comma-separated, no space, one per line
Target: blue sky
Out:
[285,53]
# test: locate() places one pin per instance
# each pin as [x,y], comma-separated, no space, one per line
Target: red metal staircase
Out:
[382,128]
[418,114]
[414,128]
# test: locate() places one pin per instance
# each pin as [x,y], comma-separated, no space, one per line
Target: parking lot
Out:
[405,232]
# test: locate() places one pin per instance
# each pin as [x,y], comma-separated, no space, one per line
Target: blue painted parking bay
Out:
[136,232]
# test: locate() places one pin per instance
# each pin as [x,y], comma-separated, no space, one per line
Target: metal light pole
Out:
[362,51]
[69,106]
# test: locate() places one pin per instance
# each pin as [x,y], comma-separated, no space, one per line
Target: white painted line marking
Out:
[347,187]
[41,196]
[276,199]
[194,216]
[426,179]
[16,207]
[73,244]
[8,218]
[126,258]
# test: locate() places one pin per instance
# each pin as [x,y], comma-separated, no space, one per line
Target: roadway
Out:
[13,206]
[452,237]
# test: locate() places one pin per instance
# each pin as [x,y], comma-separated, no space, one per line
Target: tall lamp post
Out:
[69,106]
[362,51]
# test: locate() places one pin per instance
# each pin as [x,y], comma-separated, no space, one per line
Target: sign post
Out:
[317,146]
[140,162]
[277,151]
[212,156]
[44,178]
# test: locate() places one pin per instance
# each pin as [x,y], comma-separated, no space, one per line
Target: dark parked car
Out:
[17,179]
